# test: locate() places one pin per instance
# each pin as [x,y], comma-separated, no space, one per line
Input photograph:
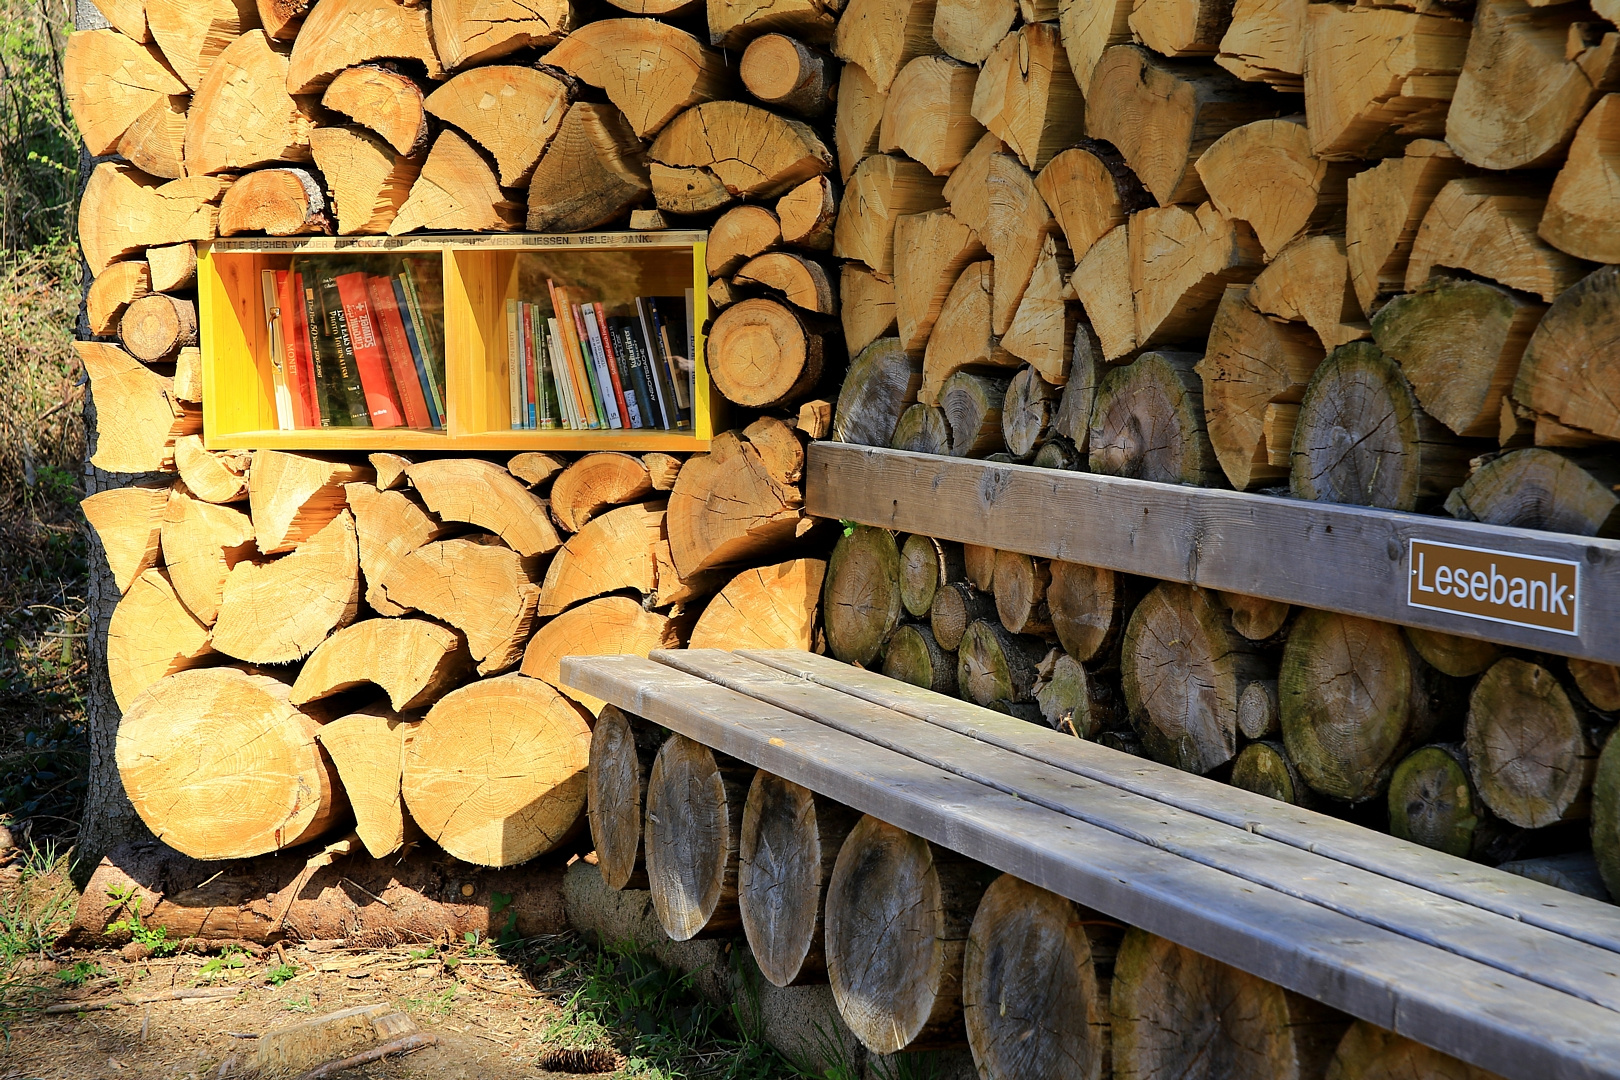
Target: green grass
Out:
[32,915]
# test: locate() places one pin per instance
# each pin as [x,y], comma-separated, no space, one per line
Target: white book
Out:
[604,381]
[565,385]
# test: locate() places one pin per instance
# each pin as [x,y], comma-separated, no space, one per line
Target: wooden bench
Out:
[1514,976]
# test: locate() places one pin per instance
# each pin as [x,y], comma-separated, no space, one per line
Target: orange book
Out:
[576,361]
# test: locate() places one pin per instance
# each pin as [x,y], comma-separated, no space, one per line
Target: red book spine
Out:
[297,362]
[391,328]
[370,361]
[612,363]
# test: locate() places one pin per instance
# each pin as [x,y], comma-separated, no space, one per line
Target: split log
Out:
[1581,208]
[415,661]
[962,337]
[882,36]
[282,788]
[1073,418]
[1433,801]
[156,142]
[972,405]
[1042,329]
[857,119]
[1181,263]
[862,595]
[1053,958]
[1531,749]
[367,749]
[1020,585]
[1184,670]
[277,611]
[1264,768]
[967,189]
[740,233]
[1265,42]
[622,752]
[789,845]
[926,566]
[282,19]
[801,281]
[128,521]
[384,100]
[1075,700]
[390,526]
[509,110]
[994,666]
[242,115]
[751,152]
[1162,116]
[1027,97]
[734,22]
[1017,224]
[495,773]
[928,114]
[1102,281]
[649,69]
[695,801]
[279,202]
[1255,617]
[173,267]
[1258,715]
[1487,226]
[1377,78]
[882,382]
[216,477]
[789,75]
[187,384]
[762,354]
[1354,699]
[534,467]
[1561,375]
[1606,815]
[882,190]
[898,914]
[739,501]
[201,542]
[1176,1012]
[609,626]
[456,189]
[1528,78]
[1361,437]
[611,553]
[1541,489]
[294,496]
[1090,606]
[367,180]
[969,29]
[808,214]
[1385,206]
[936,248]
[1090,191]
[482,589]
[1090,28]
[124,211]
[922,429]
[911,655]
[979,563]
[1309,281]
[151,635]
[467,32]
[594,483]
[1452,655]
[957,605]
[1172,29]
[138,419]
[1459,344]
[1148,422]
[193,34]
[113,290]
[1367,1052]
[1251,363]
[482,493]
[770,607]
[1264,173]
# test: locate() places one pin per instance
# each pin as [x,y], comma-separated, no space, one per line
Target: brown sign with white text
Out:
[1496,585]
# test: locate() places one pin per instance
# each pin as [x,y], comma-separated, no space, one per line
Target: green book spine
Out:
[430,331]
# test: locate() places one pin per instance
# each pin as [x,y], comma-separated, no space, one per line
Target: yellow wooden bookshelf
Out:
[480,273]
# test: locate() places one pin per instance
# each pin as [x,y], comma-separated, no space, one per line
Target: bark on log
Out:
[751,152]
[414,661]
[278,202]
[1264,173]
[695,801]
[994,666]
[597,482]
[1181,262]
[511,111]
[882,382]
[931,251]
[276,612]
[1560,375]
[969,29]
[128,521]
[1433,801]
[482,589]
[1385,206]
[457,189]
[1054,959]
[467,32]
[926,566]
[138,417]
[856,119]
[1581,208]
[1090,191]
[740,501]
[1027,97]
[282,789]
[608,626]
[898,914]
[789,844]
[957,605]
[1531,749]
[201,542]
[495,773]
[109,81]
[123,211]
[151,635]
[882,36]
[368,750]
[649,69]
[1264,768]
[242,115]
[881,191]
[771,607]
[1184,670]
[972,406]
[788,74]
[862,595]
[622,752]
[911,655]
[1487,226]
[1148,422]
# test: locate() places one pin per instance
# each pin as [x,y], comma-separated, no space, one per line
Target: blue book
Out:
[429,391]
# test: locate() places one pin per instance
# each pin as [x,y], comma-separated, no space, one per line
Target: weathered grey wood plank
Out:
[1512,1026]
[1572,915]
[1551,959]
[1341,558]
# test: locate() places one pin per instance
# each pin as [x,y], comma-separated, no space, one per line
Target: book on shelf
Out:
[596,370]
[382,402]
[421,278]
[397,347]
[280,388]
[432,396]
[545,392]
[299,364]
[623,392]
[567,331]
[514,363]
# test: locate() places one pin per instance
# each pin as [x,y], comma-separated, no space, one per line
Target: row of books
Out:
[576,366]
[355,349]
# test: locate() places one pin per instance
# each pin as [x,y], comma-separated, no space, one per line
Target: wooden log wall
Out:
[380,634]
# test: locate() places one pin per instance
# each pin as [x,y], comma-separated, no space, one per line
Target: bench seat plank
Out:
[1530,952]
[1575,916]
[1499,1021]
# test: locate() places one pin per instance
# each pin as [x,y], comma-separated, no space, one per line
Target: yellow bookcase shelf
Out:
[481,272]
